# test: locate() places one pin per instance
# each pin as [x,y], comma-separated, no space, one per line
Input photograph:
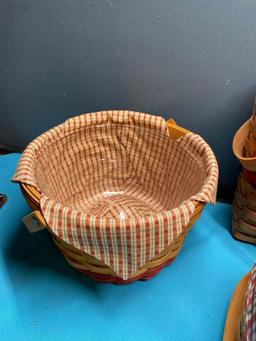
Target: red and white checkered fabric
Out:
[116,186]
[248,318]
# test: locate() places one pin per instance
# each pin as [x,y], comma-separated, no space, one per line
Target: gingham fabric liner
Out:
[173,173]
[248,318]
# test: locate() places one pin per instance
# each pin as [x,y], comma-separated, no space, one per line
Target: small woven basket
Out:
[244,207]
[95,261]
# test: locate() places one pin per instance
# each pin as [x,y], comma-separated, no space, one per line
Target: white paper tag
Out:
[31,223]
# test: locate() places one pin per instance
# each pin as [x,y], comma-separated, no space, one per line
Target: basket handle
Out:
[175,130]
[34,221]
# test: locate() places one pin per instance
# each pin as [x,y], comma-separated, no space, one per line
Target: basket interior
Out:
[118,171]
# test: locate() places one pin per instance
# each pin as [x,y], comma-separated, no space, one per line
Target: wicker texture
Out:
[244,143]
[244,208]
[244,211]
[106,197]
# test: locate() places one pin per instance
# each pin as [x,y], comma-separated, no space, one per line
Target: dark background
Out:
[194,61]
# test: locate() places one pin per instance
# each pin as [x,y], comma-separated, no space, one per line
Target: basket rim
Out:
[165,215]
[238,142]
[235,309]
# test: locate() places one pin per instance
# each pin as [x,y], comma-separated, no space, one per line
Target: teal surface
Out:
[43,298]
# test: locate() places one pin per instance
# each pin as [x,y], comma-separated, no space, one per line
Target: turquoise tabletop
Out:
[43,298]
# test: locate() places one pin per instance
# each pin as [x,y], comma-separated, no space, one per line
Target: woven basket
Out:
[232,331]
[244,143]
[244,211]
[97,269]
[244,207]
[241,316]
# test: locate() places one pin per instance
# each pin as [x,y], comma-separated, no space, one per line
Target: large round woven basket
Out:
[92,263]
